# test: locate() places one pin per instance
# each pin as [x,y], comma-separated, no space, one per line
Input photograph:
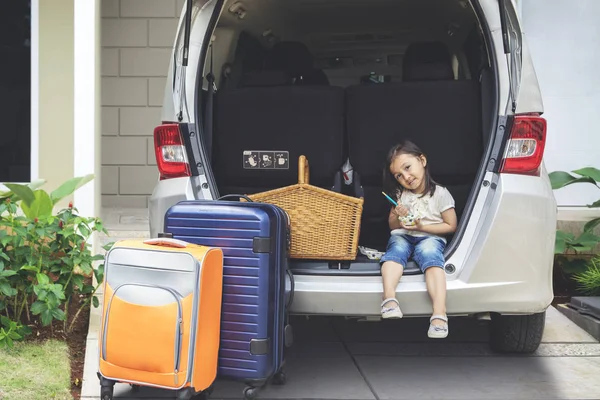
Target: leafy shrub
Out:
[589,280]
[45,259]
[587,240]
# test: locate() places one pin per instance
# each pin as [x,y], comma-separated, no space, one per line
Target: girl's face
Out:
[409,171]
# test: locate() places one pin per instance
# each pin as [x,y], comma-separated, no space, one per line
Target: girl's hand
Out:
[416,227]
[401,211]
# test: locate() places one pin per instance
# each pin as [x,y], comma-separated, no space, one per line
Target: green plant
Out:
[589,280]
[45,259]
[587,240]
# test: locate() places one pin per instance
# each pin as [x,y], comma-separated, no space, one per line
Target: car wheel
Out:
[517,333]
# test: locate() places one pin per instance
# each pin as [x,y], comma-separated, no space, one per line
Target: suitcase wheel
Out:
[106,392]
[279,378]
[250,393]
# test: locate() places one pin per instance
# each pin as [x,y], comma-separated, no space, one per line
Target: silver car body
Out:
[504,260]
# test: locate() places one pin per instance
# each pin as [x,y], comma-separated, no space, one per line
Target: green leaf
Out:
[77,281]
[589,172]
[7,290]
[43,279]
[24,330]
[23,192]
[41,293]
[14,335]
[46,317]
[40,207]
[589,226]
[560,246]
[108,246]
[59,292]
[86,267]
[4,255]
[562,235]
[587,239]
[7,273]
[69,187]
[29,268]
[38,307]
[99,273]
[559,179]
[58,314]
[95,302]
[85,232]
[9,341]
[2,305]
[5,321]
[5,240]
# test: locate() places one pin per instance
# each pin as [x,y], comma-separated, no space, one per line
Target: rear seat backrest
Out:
[440,116]
[305,120]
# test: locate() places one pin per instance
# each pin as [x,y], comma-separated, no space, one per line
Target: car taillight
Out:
[170,152]
[525,148]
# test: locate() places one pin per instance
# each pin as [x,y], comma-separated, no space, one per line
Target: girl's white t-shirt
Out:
[429,208]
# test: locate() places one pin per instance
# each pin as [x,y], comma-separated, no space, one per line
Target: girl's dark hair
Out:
[390,184]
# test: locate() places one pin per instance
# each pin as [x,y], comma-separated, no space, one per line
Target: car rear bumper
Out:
[361,296]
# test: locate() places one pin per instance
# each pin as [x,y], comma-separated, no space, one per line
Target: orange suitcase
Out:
[161,316]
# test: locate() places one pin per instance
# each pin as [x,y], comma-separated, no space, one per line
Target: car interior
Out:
[342,80]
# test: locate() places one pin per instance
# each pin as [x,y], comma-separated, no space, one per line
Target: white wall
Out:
[564,38]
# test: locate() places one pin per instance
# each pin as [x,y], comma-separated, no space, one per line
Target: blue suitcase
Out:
[257,284]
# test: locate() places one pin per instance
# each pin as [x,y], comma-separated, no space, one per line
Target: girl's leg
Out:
[396,255]
[391,272]
[435,278]
[429,254]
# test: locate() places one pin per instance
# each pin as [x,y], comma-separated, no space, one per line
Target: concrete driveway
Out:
[334,358]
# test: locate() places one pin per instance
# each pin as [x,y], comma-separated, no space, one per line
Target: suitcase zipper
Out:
[178,327]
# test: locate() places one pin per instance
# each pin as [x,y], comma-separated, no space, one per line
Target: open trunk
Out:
[346,79]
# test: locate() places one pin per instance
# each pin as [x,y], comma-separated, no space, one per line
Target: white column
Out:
[86,104]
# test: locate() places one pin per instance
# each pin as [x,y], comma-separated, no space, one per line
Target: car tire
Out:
[519,334]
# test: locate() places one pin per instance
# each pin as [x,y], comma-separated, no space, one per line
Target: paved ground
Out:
[334,358]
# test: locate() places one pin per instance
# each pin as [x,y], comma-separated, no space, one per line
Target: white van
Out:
[342,81]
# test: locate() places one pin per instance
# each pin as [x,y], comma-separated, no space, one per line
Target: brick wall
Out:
[137,38]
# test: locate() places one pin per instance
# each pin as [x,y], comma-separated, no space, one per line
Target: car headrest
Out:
[427,62]
[293,57]
[265,79]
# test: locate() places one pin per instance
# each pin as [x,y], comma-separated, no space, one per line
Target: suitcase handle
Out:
[236,196]
[180,244]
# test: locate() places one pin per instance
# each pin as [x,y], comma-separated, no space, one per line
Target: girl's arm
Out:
[393,221]
[443,228]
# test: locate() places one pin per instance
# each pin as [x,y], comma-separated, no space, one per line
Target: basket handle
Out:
[303,170]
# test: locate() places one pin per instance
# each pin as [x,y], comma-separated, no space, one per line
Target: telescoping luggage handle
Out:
[236,196]
[168,242]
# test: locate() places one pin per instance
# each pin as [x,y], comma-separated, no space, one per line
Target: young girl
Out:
[407,177]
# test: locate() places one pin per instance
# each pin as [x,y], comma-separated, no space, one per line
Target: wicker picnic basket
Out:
[324,224]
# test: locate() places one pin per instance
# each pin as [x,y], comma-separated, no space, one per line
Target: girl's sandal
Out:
[390,312]
[438,331]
